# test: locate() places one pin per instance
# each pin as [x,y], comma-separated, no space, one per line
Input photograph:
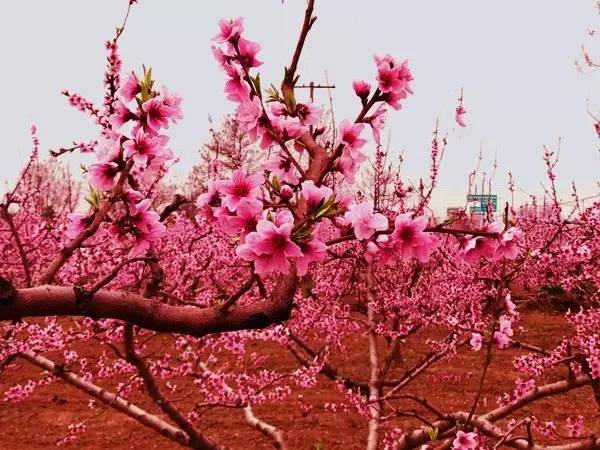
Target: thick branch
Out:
[45,301]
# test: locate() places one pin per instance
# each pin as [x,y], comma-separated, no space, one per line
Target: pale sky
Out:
[515,59]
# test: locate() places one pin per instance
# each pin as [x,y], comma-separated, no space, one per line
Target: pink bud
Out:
[361,88]
[372,248]
[286,192]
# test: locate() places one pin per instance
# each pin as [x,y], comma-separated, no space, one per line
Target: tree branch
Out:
[113,400]
[45,301]
[416,438]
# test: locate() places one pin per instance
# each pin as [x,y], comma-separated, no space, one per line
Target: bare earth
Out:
[42,419]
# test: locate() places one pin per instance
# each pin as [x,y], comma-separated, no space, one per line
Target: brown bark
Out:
[44,301]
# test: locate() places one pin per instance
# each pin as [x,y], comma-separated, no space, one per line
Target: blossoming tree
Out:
[284,252]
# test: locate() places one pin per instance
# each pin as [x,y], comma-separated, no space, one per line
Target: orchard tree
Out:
[279,249]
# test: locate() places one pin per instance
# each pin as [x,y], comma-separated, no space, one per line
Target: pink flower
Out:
[501,340]
[282,216]
[312,251]
[282,168]
[130,88]
[508,244]
[509,305]
[230,29]
[505,332]
[481,246]
[506,326]
[142,147]
[476,341]
[103,176]
[308,114]
[147,226]
[248,114]
[236,88]
[364,221]
[361,88]
[393,99]
[460,112]
[387,76]
[121,115]
[158,113]
[349,134]
[476,247]
[392,75]
[269,247]
[212,214]
[394,80]
[247,53]
[109,149]
[172,101]
[286,127]
[377,122]
[575,426]
[349,163]
[210,197]
[344,200]
[313,194]
[157,163]
[409,240]
[78,221]
[132,197]
[244,221]
[241,187]
[220,56]
[278,109]
[465,441]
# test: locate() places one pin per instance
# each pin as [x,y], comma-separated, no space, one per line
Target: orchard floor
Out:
[42,419]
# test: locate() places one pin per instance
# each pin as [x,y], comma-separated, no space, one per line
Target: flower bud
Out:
[13,209]
[372,248]
[286,192]
[361,88]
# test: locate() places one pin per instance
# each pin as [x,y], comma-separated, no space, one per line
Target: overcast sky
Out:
[515,59]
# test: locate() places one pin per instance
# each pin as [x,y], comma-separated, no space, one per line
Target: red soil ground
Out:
[42,419]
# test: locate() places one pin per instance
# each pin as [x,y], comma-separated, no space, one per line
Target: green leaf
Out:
[335,211]
[303,233]
[146,85]
[275,183]
[324,206]
[256,83]
[433,433]
[94,198]
[273,95]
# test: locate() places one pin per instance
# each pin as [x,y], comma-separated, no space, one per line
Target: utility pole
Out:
[312,86]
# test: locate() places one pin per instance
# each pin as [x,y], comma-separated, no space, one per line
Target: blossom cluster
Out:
[132,153]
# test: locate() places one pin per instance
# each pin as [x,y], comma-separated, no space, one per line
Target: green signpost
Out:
[482,201]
